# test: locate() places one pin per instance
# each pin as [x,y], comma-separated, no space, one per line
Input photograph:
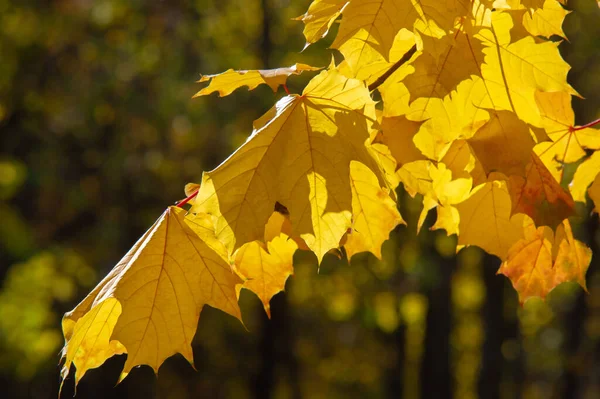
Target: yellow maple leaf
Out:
[149,305]
[460,160]
[444,13]
[568,143]
[538,263]
[594,193]
[546,21]
[374,212]
[513,72]
[458,115]
[368,30]
[373,69]
[443,64]
[319,17]
[503,144]
[299,156]
[485,218]
[397,134]
[266,267]
[584,176]
[445,192]
[416,178]
[225,83]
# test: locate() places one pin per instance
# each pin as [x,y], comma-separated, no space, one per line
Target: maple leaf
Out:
[476,117]
[594,193]
[397,134]
[513,72]
[444,193]
[540,196]
[457,116]
[503,144]
[299,156]
[443,64]
[374,212]
[149,304]
[320,16]
[266,267]
[568,143]
[542,260]
[371,70]
[546,21]
[368,29]
[444,13]
[485,218]
[461,161]
[225,83]
[584,176]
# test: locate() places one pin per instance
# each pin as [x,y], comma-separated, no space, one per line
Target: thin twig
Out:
[393,69]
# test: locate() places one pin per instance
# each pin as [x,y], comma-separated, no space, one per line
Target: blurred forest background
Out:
[99,133]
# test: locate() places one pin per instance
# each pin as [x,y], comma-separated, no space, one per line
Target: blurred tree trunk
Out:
[492,360]
[436,378]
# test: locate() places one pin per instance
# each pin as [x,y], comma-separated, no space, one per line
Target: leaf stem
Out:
[593,123]
[393,69]
[190,197]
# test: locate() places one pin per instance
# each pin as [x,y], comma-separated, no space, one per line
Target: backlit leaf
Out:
[225,83]
[542,260]
[149,305]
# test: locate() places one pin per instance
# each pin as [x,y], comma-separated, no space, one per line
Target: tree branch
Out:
[393,69]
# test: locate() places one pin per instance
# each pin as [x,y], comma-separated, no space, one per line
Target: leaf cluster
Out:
[475,117]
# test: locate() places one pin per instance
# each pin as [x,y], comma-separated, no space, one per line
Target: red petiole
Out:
[188,199]
[593,123]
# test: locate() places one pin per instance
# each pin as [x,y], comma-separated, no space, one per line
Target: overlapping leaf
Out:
[299,156]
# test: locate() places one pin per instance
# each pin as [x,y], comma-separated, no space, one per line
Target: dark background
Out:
[99,133]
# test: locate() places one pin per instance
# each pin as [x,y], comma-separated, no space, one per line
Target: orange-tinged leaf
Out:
[374,212]
[225,83]
[149,305]
[299,158]
[266,268]
[319,17]
[503,144]
[540,196]
[485,218]
[540,262]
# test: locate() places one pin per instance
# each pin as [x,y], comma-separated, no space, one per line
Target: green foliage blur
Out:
[99,134]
